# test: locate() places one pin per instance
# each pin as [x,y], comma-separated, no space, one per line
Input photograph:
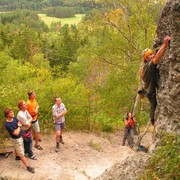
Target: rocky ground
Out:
[84,156]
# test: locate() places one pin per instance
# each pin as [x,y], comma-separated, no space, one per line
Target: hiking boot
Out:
[57,148]
[17,158]
[30,169]
[61,140]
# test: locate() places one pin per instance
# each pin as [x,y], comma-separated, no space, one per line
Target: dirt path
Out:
[83,156]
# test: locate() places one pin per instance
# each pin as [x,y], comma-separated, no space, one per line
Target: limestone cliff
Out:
[168,109]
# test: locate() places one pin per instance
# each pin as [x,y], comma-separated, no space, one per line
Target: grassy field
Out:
[73,20]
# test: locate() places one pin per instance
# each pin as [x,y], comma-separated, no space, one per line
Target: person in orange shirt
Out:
[32,107]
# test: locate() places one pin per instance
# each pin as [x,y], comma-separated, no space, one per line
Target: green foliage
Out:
[143,118]
[165,163]
[20,34]
[93,66]
[29,18]
[107,128]
[60,12]
[109,63]
[17,79]
[103,122]
[62,47]
[9,5]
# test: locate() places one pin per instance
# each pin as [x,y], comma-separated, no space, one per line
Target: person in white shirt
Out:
[25,118]
[58,111]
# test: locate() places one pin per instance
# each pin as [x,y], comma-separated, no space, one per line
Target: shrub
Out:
[165,164]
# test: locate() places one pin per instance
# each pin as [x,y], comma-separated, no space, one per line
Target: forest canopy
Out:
[93,67]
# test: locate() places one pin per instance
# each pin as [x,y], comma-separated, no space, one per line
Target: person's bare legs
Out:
[36,137]
[24,161]
[58,133]
[61,139]
[30,169]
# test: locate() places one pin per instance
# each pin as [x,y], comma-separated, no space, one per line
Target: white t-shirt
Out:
[57,110]
[23,117]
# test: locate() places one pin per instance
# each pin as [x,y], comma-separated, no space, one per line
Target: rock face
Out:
[168,109]
[131,168]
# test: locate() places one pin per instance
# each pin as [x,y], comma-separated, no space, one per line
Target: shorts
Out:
[60,126]
[35,126]
[18,146]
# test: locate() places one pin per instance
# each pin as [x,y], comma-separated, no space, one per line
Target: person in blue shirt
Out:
[13,126]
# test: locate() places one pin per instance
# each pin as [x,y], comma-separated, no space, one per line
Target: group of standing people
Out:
[20,127]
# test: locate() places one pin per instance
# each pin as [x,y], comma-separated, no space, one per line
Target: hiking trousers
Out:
[153,103]
[128,131]
[28,146]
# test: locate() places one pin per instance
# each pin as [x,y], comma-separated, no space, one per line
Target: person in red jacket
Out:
[129,129]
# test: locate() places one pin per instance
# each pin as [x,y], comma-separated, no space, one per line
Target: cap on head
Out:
[146,52]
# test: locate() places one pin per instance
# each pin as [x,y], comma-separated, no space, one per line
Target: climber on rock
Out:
[149,74]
